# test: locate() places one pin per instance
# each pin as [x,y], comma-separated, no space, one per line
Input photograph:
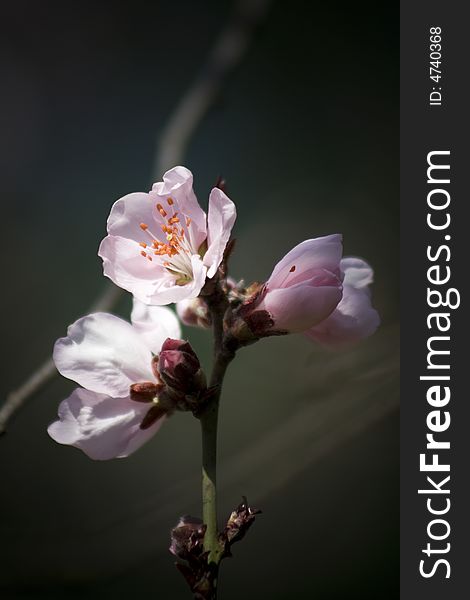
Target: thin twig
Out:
[226,54]
[218,305]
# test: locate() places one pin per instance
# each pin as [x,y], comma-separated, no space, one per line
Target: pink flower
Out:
[117,409]
[304,288]
[161,245]
[354,318]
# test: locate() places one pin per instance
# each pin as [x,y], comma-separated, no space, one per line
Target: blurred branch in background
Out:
[226,54]
[363,394]
[39,378]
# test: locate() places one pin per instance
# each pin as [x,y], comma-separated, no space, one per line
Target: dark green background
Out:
[306,134]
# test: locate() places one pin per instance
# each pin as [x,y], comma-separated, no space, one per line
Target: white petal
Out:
[221,217]
[353,320]
[357,272]
[101,426]
[154,324]
[124,265]
[150,282]
[104,354]
[178,184]
[168,292]
[128,213]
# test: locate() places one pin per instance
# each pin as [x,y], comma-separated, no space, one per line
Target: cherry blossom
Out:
[161,246]
[117,409]
[304,287]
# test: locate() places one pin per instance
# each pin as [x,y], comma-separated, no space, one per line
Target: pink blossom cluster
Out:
[163,248]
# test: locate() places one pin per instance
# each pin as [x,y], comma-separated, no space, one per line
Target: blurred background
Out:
[306,134]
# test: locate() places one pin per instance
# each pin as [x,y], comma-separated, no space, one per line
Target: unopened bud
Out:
[194,312]
[181,345]
[179,367]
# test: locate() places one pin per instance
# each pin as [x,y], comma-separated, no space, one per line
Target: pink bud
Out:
[303,289]
[181,345]
[179,367]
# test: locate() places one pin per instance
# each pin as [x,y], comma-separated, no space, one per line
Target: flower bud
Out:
[303,290]
[194,312]
[179,367]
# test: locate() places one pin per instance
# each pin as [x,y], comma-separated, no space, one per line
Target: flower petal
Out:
[154,324]
[299,307]
[357,272]
[309,255]
[177,184]
[124,265]
[166,291]
[101,426]
[221,217]
[130,271]
[150,282]
[104,354]
[128,213]
[353,320]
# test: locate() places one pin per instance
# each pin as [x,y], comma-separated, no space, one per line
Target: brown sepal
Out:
[221,183]
[259,322]
[144,391]
[254,295]
[187,540]
[241,519]
[152,416]
[187,545]
[155,367]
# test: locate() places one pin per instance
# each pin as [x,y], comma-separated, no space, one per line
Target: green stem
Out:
[209,481]
[209,421]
